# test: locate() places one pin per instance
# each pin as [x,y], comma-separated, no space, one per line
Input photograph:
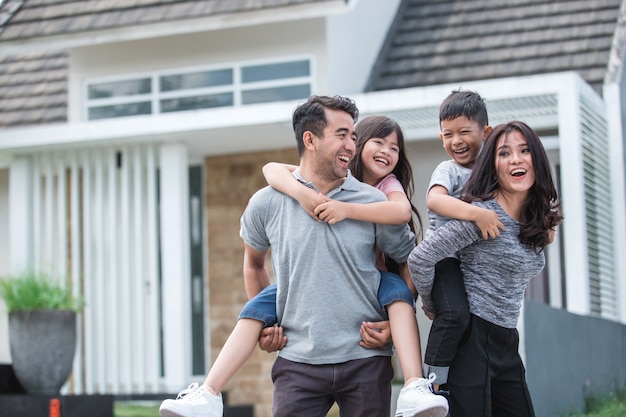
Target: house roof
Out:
[27,19]
[449,41]
[430,43]
[33,89]
[33,85]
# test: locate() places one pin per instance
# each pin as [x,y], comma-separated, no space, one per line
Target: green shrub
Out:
[613,406]
[37,291]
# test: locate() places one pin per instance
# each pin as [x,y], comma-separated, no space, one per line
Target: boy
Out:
[464,127]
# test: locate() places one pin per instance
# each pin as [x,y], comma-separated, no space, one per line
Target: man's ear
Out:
[308,138]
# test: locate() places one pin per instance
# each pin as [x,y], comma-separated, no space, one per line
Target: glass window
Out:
[196,102]
[267,95]
[232,85]
[119,110]
[275,71]
[119,88]
[196,80]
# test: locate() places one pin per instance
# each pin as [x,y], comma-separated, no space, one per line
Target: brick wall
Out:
[229,181]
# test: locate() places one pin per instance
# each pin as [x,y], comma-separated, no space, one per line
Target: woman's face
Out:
[379,157]
[514,163]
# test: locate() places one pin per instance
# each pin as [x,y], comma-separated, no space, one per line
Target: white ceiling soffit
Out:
[540,112]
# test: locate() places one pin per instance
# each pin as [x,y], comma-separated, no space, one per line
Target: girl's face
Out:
[379,157]
[514,163]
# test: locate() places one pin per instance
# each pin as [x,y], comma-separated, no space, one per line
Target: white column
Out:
[176,299]
[20,214]
[574,226]
[618,190]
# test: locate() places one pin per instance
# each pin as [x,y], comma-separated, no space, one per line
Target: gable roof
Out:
[33,89]
[449,41]
[30,19]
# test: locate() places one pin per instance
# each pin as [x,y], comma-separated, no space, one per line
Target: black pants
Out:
[451,315]
[487,377]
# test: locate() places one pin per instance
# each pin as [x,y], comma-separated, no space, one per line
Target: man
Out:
[326,275]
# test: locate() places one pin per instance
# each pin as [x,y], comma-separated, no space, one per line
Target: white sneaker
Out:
[417,399]
[194,401]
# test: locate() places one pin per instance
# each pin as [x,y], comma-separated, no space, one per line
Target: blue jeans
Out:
[262,307]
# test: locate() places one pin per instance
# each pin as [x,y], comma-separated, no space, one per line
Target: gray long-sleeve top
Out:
[495,271]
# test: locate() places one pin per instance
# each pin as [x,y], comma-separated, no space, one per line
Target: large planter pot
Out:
[42,347]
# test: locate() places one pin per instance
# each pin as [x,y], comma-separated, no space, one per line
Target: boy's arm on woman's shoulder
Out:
[443,204]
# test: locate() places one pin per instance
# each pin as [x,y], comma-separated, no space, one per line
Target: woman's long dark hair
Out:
[539,214]
[381,127]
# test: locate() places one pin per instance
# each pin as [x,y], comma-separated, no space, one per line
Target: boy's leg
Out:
[451,319]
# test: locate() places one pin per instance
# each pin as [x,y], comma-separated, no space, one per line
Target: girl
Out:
[380,161]
[511,177]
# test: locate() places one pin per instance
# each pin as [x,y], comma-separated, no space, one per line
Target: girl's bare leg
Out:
[405,335]
[235,352]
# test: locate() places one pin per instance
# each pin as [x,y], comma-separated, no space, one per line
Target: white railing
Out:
[95,221]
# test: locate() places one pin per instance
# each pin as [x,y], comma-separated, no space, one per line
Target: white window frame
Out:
[238,88]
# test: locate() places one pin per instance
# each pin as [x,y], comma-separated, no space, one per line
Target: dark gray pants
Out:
[487,377]
[361,388]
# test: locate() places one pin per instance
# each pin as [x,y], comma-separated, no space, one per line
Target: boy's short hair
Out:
[464,103]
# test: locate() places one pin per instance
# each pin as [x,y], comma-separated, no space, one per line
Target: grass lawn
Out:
[135,409]
[615,406]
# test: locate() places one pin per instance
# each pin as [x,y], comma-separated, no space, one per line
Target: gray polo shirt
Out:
[326,275]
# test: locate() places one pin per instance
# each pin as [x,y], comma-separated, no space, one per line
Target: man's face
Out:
[336,148]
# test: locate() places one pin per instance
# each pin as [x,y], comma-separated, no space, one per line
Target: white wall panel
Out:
[94,221]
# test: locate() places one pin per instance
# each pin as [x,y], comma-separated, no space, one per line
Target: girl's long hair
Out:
[539,214]
[381,127]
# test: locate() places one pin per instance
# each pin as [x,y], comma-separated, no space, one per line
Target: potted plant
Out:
[42,329]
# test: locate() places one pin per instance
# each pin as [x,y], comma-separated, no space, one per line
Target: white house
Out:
[132,134]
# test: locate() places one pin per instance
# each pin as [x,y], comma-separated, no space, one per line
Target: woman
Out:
[511,177]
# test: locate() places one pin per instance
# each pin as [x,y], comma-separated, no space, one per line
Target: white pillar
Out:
[176,297]
[20,214]
[618,190]
[574,226]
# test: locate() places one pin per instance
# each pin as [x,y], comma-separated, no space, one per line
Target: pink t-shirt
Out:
[387,185]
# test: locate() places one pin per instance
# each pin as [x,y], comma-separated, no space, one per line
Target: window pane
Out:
[267,95]
[197,102]
[196,80]
[119,88]
[275,71]
[119,110]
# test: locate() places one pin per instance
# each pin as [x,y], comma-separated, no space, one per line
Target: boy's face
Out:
[462,139]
